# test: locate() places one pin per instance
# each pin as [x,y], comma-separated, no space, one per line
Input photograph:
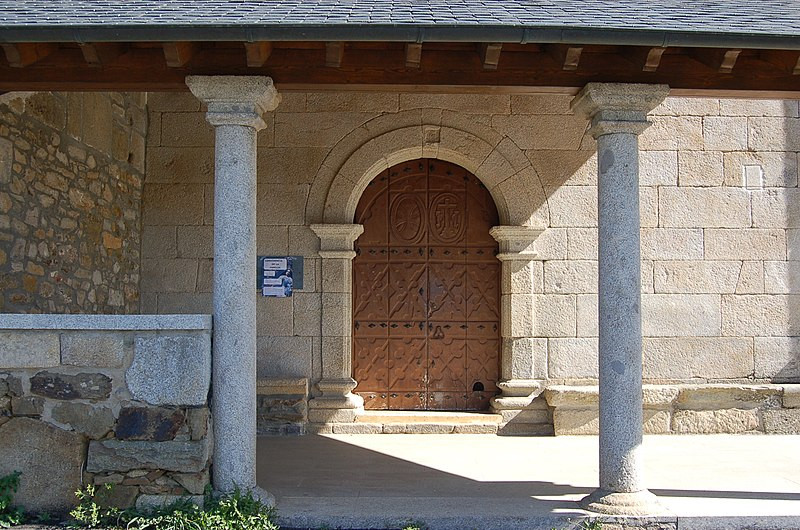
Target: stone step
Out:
[428,416]
[415,422]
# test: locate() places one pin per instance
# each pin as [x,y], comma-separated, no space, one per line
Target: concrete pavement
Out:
[486,481]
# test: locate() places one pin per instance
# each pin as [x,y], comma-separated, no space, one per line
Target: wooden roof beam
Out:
[257,53]
[568,57]
[99,55]
[413,54]
[720,59]
[21,55]
[652,59]
[490,54]
[178,54]
[788,61]
[334,53]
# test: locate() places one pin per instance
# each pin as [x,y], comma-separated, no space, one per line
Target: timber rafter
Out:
[157,66]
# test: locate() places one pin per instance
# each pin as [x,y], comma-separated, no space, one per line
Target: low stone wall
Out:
[687,409]
[282,406]
[104,399]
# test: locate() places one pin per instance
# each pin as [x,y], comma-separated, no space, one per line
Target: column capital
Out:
[235,100]
[618,107]
[337,237]
[516,242]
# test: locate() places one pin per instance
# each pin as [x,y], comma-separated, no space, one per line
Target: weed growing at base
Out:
[236,511]
[10,515]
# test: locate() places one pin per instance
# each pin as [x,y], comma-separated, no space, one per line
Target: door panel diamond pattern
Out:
[426,319]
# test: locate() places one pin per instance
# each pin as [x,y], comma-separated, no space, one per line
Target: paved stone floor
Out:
[486,481]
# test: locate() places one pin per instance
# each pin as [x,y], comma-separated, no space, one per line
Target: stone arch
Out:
[388,140]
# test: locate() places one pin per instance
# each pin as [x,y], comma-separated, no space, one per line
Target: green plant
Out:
[592,525]
[89,513]
[237,511]
[10,515]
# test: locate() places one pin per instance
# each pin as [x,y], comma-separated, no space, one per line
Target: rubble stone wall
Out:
[97,399]
[71,172]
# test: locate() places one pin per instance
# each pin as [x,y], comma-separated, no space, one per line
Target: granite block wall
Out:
[719,223]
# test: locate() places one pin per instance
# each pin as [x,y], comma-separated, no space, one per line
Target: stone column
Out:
[523,364]
[336,403]
[618,114]
[235,106]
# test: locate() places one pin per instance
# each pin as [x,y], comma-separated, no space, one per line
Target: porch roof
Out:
[713,47]
[745,23]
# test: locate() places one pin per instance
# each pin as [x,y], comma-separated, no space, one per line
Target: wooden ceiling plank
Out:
[490,54]
[20,55]
[413,54]
[788,61]
[178,54]
[720,59]
[334,53]
[257,53]
[567,57]
[98,55]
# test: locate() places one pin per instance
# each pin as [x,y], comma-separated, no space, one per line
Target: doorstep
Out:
[414,422]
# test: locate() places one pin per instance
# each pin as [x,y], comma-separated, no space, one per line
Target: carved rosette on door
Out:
[426,293]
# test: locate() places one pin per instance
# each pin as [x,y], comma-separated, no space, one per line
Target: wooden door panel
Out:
[370,291]
[447,291]
[482,295]
[408,286]
[426,290]
[407,364]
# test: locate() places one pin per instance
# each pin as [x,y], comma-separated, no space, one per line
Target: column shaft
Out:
[619,312]
[619,114]
[234,362]
[235,109]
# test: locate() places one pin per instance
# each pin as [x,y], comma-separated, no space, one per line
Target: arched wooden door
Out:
[426,317]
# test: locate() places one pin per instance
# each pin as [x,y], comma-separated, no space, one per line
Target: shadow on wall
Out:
[784,351]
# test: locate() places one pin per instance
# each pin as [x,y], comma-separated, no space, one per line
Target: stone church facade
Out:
[542,243]
[718,179]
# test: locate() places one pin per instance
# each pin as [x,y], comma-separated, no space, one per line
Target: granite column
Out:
[235,109]
[618,114]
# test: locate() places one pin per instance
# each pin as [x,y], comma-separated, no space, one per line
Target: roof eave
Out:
[396,33]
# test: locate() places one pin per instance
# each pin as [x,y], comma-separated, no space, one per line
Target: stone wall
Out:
[104,399]
[687,409]
[719,227]
[71,170]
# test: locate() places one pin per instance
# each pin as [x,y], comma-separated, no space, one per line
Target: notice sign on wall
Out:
[279,276]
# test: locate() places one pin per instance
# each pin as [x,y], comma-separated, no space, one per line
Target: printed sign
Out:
[278,276]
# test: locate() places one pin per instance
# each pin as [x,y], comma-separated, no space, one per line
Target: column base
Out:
[636,503]
[257,492]
[263,495]
[337,404]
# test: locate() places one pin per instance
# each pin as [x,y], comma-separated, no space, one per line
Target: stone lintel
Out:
[235,100]
[618,107]
[516,242]
[337,236]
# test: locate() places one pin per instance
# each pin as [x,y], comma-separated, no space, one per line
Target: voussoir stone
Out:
[119,455]
[149,423]
[67,387]
[90,420]
[50,460]
[171,369]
